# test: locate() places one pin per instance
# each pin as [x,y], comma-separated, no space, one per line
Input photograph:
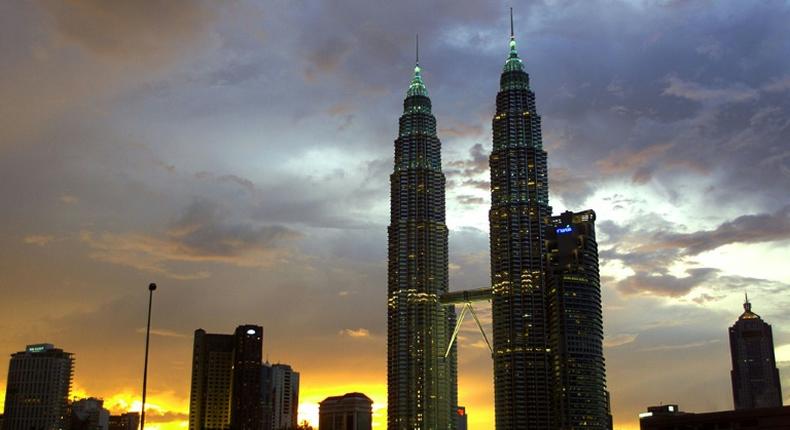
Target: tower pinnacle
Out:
[417,86]
[513,63]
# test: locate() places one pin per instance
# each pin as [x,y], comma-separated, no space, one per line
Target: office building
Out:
[352,411]
[575,323]
[212,379]
[755,378]
[89,414]
[247,409]
[669,417]
[421,382]
[285,397]
[38,388]
[517,220]
[226,380]
[125,421]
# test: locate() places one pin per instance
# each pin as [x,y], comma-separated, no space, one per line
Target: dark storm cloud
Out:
[203,230]
[665,284]
[204,233]
[651,253]
[744,229]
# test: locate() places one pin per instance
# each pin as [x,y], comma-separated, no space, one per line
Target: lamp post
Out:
[151,288]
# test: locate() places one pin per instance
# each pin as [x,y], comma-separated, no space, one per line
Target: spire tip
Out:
[418,49]
[512,33]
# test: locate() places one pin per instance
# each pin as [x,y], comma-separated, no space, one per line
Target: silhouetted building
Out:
[352,411]
[246,409]
[226,380]
[89,414]
[755,378]
[125,421]
[575,323]
[38,389]
[669,417]
[461,419]
[421,382]
[285,397]
[212,379]
[517,219]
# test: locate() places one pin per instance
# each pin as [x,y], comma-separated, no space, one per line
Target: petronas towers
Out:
[544,292]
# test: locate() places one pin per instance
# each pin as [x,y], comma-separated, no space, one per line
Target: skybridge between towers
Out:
[466,298]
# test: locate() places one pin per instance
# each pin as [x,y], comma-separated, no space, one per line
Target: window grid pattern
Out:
[422,389]
[519,208]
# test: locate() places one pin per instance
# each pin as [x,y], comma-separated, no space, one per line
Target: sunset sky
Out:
[238,154]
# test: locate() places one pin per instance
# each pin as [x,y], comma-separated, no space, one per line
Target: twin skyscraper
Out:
[545,288]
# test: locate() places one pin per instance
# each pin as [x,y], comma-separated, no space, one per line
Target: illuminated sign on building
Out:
[564,230]
[39,347]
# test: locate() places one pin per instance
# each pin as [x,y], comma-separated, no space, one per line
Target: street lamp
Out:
[151,288]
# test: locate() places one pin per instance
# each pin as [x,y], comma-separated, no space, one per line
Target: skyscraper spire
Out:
[512,33]
[513,62]
[417,61]
[417,86]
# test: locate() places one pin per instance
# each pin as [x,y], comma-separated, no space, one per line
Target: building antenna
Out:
[512,33]
[418,49]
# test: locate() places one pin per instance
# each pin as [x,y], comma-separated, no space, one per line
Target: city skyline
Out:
[241,162]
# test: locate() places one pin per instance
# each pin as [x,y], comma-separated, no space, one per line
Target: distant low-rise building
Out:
[126,421]
[351,411]
[89,414]
[670,417]
[461,418]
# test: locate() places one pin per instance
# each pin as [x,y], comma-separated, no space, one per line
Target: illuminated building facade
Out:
[421,380]
[517,219]
[352,411]
[575,323]
[38,389]
[755,378]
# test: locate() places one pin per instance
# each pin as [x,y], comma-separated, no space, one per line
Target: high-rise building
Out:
[575,323]
[125,421]
[89,414]
[285,397]
[226,380]
[421,382]
[38,388]
[247,409]
[212,379]
[352,411]
[755,378]
[517,219]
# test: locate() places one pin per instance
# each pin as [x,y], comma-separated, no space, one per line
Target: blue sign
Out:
[564,230]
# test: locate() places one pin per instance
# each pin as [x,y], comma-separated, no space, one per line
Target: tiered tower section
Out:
[421,381]
[519,209]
